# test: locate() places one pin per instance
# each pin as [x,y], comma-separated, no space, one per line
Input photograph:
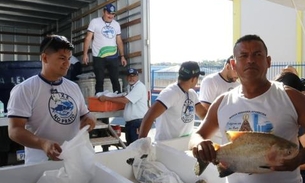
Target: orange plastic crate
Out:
[95,105]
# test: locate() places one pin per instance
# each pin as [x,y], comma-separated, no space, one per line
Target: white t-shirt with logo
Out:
[104,41]
[51,116]
[178,119]
[271,112]
[212,86]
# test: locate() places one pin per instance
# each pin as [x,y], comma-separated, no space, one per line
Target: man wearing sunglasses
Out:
[47,109]
[107,45]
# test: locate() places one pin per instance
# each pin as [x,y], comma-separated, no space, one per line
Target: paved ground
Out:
[99,149]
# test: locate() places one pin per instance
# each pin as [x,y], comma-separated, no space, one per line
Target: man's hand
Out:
[52,149]
[85,59]
[205,152]
[102,98]
[123,61]
[290,164]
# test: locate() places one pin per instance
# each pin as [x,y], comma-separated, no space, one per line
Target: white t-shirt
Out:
[55,117]
[104,41]
[273,112]
[178,119]
[212,86]
[137,107]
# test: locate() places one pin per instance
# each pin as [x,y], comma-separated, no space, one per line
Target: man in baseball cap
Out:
[176,106]
[135,104]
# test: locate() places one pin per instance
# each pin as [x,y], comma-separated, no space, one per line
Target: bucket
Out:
[87,87]
[117,129]
[108,85]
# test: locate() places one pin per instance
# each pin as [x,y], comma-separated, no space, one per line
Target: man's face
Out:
[57,63]
[132,79]
[251,61]
[108,17]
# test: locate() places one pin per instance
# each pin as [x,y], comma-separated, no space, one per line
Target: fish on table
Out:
[250,152]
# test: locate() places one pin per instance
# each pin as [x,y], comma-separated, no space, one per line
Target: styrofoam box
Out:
[31,173]
[169,153]
[178,154]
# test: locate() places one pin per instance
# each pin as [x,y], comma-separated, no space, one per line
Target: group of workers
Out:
[47,109]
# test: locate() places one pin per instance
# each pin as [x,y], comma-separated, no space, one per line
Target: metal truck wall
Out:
[19,44]
[133,18]
[13,73]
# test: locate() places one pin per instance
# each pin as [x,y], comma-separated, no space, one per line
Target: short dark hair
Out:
[251,38]
[228,59]
[54,43]
[290,79]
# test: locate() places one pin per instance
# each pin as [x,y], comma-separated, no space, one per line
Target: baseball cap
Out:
[189,69]
[132,71]
[110,8]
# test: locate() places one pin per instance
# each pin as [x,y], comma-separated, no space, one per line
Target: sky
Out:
[190,30]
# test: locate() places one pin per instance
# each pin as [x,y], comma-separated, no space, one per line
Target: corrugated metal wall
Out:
[133,18]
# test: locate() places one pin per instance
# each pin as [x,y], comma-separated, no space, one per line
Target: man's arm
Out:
[205,105]
[155,111]
[88,119]
[201,111]
[298,100]
[87,42]
[120,99]
[119,42]
[19,134]
[200,143]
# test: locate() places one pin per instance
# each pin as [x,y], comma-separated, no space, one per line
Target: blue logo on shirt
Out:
[108,32]
[62,108]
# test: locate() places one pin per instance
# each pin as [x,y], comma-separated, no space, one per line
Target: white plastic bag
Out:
[52,176]
[78,157]
[108,93]
[145,168]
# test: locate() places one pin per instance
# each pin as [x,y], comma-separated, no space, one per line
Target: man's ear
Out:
[269,61]
[233,64]
[44,57]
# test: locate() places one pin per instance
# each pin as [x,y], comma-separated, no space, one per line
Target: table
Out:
[4,121]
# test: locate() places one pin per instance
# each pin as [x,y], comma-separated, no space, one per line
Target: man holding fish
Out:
[259,122]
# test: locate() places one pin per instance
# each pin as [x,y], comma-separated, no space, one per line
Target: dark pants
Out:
[303,175]
[131,130]
[112,65]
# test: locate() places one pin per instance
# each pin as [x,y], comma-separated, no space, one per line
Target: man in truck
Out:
[107,45]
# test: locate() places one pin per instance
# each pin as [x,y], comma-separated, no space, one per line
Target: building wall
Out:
[274,23]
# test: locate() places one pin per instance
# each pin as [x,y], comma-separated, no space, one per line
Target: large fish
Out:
[250,152]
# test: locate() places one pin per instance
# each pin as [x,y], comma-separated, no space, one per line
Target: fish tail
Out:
[200,166]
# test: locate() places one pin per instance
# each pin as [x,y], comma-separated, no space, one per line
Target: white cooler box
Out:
[31,173]
[170,153]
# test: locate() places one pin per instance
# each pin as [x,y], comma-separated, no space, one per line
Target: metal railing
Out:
[161,80]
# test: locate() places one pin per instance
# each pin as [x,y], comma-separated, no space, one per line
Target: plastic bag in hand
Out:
[78,157]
